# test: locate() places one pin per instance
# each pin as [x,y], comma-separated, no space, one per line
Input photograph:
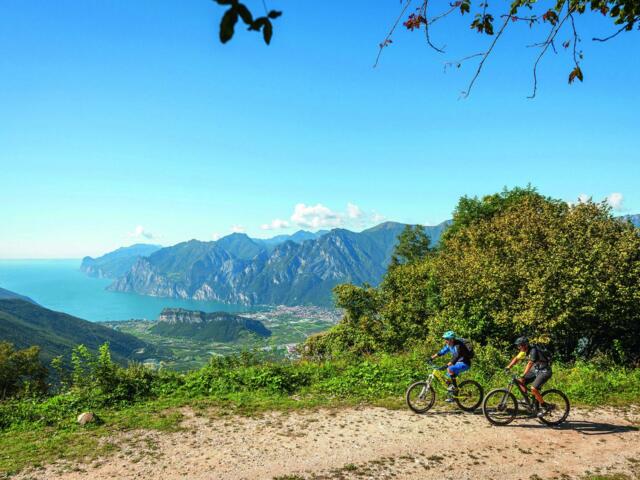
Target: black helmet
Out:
[521,341]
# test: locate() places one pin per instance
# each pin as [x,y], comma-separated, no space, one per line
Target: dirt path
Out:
[370,443]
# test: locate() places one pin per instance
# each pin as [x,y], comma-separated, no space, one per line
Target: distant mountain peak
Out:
[118,262]
[236,235]
[389,225]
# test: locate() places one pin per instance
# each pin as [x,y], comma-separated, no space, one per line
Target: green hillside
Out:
[216,326]
[8,295]
[25,324]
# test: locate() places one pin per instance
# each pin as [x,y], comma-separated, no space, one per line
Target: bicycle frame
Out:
[531,405]
[436,373]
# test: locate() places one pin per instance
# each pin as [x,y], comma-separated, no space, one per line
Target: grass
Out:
[37,446]
[38,432]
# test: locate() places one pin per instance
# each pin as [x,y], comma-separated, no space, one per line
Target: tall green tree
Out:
[21,372]
[470,210]
[413,245]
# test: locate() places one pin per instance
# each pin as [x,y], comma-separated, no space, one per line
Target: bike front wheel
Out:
[558,405]
[420,397]
[500,407]
[469,396]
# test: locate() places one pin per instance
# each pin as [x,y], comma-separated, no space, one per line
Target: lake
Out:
[60,285]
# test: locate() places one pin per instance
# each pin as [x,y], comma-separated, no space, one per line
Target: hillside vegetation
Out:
[8,295]
[214,326]
[25,324]
[513,263]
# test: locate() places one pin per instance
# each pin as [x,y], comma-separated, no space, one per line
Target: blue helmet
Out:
[449,335]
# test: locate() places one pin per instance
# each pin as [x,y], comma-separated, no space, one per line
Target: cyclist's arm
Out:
[442,351]
[516,359]
[528,368]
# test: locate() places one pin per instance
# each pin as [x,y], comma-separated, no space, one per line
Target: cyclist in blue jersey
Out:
[460,359]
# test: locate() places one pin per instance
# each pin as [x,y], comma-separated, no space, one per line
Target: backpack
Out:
[545,354]
[469,346]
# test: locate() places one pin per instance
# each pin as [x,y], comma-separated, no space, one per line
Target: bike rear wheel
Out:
[500,407]
[420,397]
[559,407]
[469,396]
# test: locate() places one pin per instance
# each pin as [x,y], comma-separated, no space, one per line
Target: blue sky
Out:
[128,121]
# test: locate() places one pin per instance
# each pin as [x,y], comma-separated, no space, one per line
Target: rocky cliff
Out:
[215,326]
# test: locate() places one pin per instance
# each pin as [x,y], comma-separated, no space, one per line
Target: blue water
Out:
[60,285]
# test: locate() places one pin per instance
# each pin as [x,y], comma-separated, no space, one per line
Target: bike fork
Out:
[503,402]
[426,387]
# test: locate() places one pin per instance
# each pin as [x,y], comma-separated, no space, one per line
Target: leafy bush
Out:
[234,374]
[21,372]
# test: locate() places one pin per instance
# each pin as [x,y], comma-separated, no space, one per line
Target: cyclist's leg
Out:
[456,369]
[528,378]
[542,376]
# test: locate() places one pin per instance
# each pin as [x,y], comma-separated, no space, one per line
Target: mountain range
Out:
[119,262]
[300,269]
[24,324]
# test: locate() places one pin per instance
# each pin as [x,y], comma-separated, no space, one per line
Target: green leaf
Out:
[258,24]
[244,13]
[267,32]
[488,28]
[227,25]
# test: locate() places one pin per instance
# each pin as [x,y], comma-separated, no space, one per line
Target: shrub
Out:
[21,372]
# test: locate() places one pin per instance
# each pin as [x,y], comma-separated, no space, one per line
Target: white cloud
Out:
[316,216]
[215,236]
[319,216]
[354,211]
[237,229]
[582,198]
[140,232]
[616,200]
[275,225]
[377,218]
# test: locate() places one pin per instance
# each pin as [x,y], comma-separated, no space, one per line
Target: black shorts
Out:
[538,377]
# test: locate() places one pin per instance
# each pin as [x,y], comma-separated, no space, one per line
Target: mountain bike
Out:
[500,406]
[421,395]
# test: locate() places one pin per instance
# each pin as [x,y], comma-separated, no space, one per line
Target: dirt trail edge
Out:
[369,443]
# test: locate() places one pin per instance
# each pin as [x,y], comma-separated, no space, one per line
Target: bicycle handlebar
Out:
[433,365]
